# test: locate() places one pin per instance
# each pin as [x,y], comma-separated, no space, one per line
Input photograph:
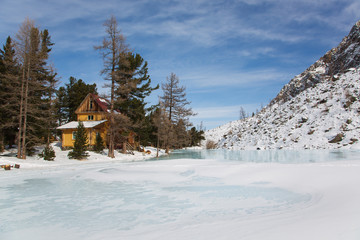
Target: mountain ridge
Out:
[346,55]
[317,109]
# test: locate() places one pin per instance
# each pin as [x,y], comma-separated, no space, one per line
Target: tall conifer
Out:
[9,85]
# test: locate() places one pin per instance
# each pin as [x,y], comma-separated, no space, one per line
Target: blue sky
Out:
[228,53]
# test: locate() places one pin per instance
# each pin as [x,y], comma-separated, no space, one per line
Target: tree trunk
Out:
[23,145]
[124,147]
[157,146]
[19,152]
[111,138]
[112,99]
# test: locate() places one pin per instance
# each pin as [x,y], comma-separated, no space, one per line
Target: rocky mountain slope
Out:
[318,109]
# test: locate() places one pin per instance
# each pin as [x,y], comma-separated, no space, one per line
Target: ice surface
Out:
[210,198]
[274,156]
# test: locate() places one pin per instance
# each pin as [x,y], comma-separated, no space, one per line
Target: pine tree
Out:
[99,144]
[80,145]
[196,136]
[48,153]
[133,86]
[9,85]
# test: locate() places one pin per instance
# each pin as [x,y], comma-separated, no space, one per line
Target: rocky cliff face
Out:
[318,109]
[346,55]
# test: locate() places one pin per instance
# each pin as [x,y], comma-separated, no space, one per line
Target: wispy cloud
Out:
[216,116]
[256,52]
[205,23]
[228,111]
[211,78]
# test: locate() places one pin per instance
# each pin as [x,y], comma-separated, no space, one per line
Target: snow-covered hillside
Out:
[318,109]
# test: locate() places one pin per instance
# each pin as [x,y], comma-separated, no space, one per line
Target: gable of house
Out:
[92,108]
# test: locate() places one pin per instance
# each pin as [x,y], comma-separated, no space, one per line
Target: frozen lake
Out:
[191,195]
[267,156]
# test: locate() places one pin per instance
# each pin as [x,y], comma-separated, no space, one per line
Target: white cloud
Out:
[210,78]
[257,52]
[212,117]
[224,111]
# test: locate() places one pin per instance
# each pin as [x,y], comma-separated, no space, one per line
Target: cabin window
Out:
[90,117]
[91,104]
[73,135]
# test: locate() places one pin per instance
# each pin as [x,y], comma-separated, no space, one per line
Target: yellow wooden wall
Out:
[67,138]
[98,116]
[67,134]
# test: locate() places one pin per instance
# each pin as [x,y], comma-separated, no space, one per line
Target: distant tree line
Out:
[31,105]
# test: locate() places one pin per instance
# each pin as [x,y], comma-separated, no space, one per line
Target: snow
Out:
[211,198]
[103,100]
[61,158]
[87,124]
[308,121]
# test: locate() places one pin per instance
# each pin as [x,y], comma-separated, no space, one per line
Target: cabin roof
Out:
[87,124]
[103,103]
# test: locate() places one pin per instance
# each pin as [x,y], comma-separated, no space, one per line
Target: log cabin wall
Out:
[88,105]
[89,110]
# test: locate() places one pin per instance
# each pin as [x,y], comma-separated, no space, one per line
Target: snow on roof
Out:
[87,124]
[103,100]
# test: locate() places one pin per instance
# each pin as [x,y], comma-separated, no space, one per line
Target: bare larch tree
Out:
[114,51]
[177,107]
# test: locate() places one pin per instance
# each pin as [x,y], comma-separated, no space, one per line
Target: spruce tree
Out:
[134,85]
[70,97]
[48,153]
[9,101]
[80,145]
[99,143]
[196,136]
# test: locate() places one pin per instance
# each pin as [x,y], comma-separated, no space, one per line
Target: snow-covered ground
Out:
[61,158]
[180,199]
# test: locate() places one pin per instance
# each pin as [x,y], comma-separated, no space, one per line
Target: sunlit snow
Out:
[214,195]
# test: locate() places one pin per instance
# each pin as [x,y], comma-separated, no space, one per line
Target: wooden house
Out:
[92,112]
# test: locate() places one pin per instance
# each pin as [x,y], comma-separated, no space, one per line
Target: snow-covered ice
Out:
[210,198]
